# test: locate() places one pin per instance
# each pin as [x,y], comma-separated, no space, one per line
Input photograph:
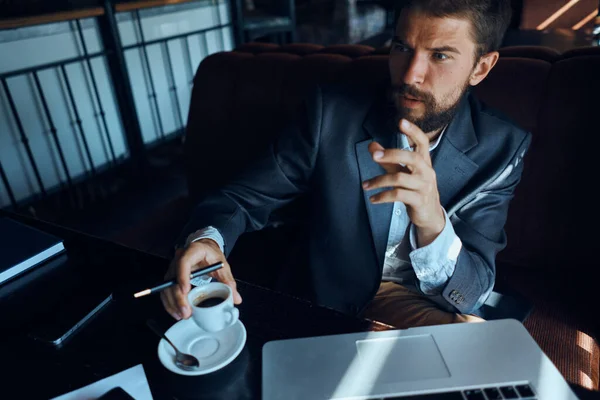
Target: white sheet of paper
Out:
[132,380]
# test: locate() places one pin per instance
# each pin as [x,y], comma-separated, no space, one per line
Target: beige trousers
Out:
[397,306]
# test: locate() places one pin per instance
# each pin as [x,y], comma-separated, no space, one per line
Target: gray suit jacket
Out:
[324,156]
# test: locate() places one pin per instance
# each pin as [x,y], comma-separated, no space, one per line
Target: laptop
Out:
[488,360]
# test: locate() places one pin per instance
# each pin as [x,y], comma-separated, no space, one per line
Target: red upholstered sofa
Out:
[241,98]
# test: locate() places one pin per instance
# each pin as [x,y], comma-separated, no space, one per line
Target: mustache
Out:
[404,89]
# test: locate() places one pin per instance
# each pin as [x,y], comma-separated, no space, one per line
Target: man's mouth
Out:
[409,97]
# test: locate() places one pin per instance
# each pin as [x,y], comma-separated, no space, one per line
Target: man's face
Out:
[431,65]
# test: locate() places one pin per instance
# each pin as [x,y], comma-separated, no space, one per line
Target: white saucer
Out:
[213,350]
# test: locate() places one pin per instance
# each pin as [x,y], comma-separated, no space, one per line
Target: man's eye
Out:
[440,56]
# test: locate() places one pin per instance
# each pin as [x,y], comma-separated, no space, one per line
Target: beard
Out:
[436,116]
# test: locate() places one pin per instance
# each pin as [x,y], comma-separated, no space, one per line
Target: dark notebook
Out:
[23,247]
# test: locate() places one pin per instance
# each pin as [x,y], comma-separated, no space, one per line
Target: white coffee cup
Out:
[213,317]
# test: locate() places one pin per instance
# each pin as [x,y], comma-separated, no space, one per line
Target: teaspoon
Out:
[184,361]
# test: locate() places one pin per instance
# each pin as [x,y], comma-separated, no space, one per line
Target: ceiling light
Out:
[585,20]
[557,14]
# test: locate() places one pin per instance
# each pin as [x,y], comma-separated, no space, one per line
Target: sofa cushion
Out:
[563,329]
[581,51]
[516,86]
[257,48]
[552,217]
[235,110]
[372,70]
[350,50]
[536,52]
[310,69]
[301,49]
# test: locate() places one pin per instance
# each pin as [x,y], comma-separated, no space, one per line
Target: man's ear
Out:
[483,67]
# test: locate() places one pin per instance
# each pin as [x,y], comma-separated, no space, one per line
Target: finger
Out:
[169,304]
[418,137]
[181,302]
[377,151]
[226,277]
[172,270]
[189,259]
[392,159]
[179,252]
[409,197]
[170,294]
[374,146]
[398,180]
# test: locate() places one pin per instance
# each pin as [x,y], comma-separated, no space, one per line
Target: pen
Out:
[195,274]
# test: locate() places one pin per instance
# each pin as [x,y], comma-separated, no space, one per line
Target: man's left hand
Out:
[415,185]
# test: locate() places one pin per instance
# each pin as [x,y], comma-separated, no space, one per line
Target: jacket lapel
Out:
[380,215]
[452,166]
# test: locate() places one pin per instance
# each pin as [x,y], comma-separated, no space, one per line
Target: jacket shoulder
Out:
[494,127]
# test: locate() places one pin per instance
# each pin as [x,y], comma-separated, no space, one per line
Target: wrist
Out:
[427,234]
[207,241]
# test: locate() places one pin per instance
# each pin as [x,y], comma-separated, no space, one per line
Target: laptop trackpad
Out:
[411,358]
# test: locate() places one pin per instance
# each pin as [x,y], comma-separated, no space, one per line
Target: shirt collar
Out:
[405,146]
[433,145]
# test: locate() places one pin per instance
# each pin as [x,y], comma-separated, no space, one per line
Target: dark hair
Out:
[489,18]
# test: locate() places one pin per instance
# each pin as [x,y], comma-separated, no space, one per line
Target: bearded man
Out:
[409,185]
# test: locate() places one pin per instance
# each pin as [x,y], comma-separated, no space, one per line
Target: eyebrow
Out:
[443,49]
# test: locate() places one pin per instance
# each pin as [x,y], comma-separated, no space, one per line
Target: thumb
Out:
[237,298]
[225,276]
[229,281]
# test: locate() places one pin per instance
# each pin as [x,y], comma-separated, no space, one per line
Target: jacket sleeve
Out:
[480,226]
[275,179]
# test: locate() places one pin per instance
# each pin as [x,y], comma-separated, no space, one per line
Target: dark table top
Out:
[119,338]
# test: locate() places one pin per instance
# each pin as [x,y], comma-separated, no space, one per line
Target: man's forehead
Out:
[432,31]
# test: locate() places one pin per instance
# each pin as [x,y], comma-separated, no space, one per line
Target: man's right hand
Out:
[198,254]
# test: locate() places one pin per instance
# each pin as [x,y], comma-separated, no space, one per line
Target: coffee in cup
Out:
[212,306]
[205,302]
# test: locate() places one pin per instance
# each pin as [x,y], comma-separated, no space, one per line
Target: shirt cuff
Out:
[434,264]
[209,232]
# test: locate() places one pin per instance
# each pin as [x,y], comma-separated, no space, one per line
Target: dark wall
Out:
[25,8]
[517,9]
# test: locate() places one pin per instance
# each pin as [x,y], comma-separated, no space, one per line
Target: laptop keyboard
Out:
[493,393]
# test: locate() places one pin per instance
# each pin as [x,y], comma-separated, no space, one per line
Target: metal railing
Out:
[33,73]
[123,100]
[164,43]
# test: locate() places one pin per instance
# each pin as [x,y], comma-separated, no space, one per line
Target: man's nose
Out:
[416,71]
